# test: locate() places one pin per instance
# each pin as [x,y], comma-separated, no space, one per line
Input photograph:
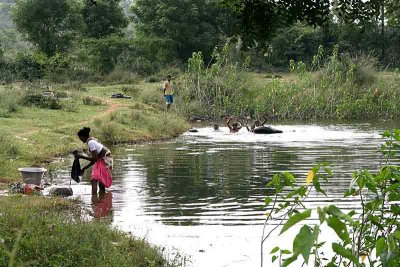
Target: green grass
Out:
[37,231]
[41,134]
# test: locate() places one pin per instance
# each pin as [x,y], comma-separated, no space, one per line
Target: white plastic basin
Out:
[31,175]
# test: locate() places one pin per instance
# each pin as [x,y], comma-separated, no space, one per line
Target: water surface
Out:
[203,193]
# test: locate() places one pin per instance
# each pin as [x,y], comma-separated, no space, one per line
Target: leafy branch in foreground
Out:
[367,236]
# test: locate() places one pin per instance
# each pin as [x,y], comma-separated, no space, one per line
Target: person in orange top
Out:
[168,92]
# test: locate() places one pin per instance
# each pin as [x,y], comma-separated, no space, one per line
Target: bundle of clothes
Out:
[26,189]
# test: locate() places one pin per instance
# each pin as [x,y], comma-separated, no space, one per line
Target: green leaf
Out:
[286,251]
[345,253]
[274,250]
[321,214]
[380,246]
[339,227]
[335,211]
[267,201]
[331,264]
[386,134]
[328,171]
[289,261]
[301,191]
[274,258]
[304,242]
[295,219]
[361,181]
[317,187]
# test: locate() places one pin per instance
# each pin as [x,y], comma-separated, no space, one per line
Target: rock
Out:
[61,192]
[193,131]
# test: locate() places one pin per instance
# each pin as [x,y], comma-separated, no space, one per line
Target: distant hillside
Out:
[10,40]
[5,14]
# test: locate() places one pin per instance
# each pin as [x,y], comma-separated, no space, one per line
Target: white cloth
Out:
[95,145]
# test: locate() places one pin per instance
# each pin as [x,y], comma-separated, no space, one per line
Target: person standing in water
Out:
[233,127]
[256,124]
[100,157]
[168,92]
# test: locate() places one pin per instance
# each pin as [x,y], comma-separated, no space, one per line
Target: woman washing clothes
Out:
[100,157]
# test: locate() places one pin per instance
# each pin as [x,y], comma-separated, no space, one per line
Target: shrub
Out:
[38,100]
[341,69]
[119,76]
[30,66]
[92,101]
[219,89]
[59,68]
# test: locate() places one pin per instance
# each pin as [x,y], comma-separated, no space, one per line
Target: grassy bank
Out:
[34,131]
[36,231]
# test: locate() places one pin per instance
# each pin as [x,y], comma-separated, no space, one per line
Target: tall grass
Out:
[334,86]
[213,90]
[9,99]
[343,87]
[51,232]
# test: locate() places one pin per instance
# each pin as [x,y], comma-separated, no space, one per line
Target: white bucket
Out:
[31,175]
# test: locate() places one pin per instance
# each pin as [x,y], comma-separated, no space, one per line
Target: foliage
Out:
[337,86]
[103,18]
[260,19]
[44,231]
[51,25]
[140,56]
[216,90]
[193,25]
[30,66]
[298,42]
[333,86]
[41,101]
[370,235]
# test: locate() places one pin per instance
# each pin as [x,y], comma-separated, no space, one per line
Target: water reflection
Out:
[102,206]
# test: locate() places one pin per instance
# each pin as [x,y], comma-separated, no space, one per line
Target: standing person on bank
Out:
[100,157]
[168,92]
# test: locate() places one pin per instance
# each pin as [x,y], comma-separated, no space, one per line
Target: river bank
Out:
[39,124]
[39,231]
[32,134]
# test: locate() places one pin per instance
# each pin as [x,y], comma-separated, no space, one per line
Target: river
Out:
[201,195]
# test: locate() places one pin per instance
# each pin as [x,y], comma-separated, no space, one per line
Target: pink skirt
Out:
[102,172]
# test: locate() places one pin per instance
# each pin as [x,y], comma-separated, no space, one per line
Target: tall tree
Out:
[49,24]
[192,25]
[103,18]
[261,18]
